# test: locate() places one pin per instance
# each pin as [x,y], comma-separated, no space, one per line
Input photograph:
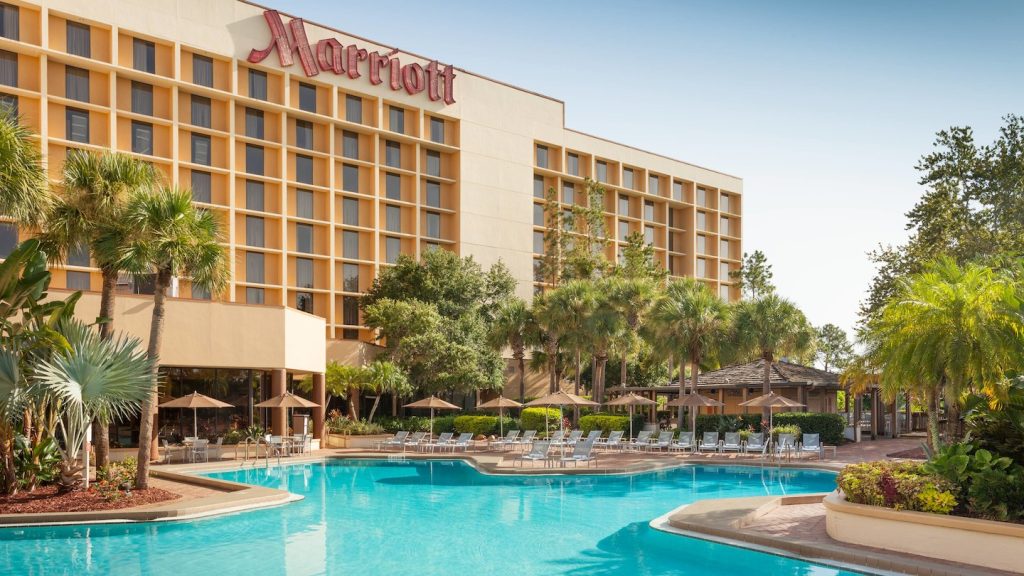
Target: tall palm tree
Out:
[175,239]
[604,329]
[341,380]
[24,194]
[514,326]
[383,377]
[693,323]
[90,211]
[575,302]
[548,316]
[947,331]
[633,298]
[770,327]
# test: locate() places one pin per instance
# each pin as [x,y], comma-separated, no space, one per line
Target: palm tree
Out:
[574,302]
[633,298]
[514,326]
[175,239]
[341,380]
[691,321]
[769,327]
[947,331]
[548,316]
[383,377]
[604,329]
[24,194]
[90,211]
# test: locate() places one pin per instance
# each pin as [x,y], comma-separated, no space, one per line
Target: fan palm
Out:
[604,330]
[549,318]
[514,326]
[24,194]
[691,321]
[770,327]
[383,377]
[90,212]
[574,302]
[633,298]
[175,239]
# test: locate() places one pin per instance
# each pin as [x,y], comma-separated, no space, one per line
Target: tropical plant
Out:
[174,239]
[998,426]
[383,377]
[24,194]
[604,330]
[341,380]
[633,298]
[515,328]
[897,485]
[989,485]
[572,305]
[36,463]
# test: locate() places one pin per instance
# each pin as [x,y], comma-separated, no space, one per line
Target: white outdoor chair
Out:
[397,440]
[755,443]
[581,452]
[612,442]
[685,442]
[664,440]
[537,453]
[731,443]
[811,444]
[200,449]
[708,442]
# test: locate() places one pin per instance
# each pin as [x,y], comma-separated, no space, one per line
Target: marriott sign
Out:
[331,55]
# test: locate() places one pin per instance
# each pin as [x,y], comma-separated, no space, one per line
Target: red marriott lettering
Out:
[332,56]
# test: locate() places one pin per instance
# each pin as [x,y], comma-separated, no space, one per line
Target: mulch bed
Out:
[46,499]
[913,453]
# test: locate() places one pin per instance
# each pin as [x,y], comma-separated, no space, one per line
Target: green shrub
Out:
[342,425]
[36,464]
[116,478]
[232,437]
[610,422]
[443,424]
[828,426]
[897,485]
[988,485]
[786,429]
[723,423]
[477,425]
[533,419]
[411,424]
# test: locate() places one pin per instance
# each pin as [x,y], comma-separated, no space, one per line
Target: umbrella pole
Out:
[501,423]
[630,421]
[195,423]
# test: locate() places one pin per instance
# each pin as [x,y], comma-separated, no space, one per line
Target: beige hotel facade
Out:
[327,155]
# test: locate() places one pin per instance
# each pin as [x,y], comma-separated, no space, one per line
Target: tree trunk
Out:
[373,409]
[681,417]
[101,429]
[353,403]
[552,351]
[10,479]
[622,372]
[147,439]
[521,366]
[602,361]
[576,387]
[933,419]
[694,375]
[766,388]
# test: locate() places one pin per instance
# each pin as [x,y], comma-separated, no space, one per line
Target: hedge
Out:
[723,423]
[482,425]
[829,426]
[609,422]
[898,485]
[533,419]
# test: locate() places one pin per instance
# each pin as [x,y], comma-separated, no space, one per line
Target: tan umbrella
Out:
[499,404]
[195,401]
[560,399]
[433,403]
[695,400]
[771,400]
[289,401]
[631,400]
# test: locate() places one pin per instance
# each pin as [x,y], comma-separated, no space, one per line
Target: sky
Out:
[823,108]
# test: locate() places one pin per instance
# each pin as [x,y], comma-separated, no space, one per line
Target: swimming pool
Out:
[429,518]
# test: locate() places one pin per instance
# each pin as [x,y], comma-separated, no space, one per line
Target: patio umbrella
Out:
[287,400]
[560,399]
[434,403]
[772,400]
[500,403]
[195,401]
[631,400]
[694,400]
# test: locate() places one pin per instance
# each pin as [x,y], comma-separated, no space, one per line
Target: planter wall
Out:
[998,545]
[346,441]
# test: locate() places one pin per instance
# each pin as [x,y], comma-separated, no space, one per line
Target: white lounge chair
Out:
[708,442]
[217,449]
[731,443]
[612,442]
[442,441]
[664,440]
[642,440]
[199,449]
[397,440]
[755,443]
[785,445]
[556,437]
[506,442]
[810,444]
[526,439]
[581,452]
[685,442]
[537,453]
[415,440]
[573,438]
[464,442]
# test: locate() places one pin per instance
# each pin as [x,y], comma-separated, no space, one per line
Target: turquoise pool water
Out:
[429,518]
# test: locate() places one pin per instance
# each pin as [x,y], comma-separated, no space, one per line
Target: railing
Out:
[267,448]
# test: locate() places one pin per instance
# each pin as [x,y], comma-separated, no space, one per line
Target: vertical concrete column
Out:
[721,398]
[746,394]
[320,397]
[278,415]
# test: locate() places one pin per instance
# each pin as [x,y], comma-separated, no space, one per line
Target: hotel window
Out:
[350,316]
[201,111]
[431,246]
[602,171]
[350,144]
[354,109]
[573,164]
[538,270]
[350,212]
[538,186]
[542,156]
[433,163]
[254,159]
[307,97]
[649,234]
[433,225]
[78,280]
[254,231]
[304,169]
[723,249]
[653,182]
[568,193]
[201,189]
[77,125]
[202,70]
[304,302]
[254,296]
[76,83]
[350,178]
[392,186]
[142,98]
[393,154]
[702,197]
[702,244]
[433,194]
[627,177]
[78,39]
[623,205]
[78,255]
[304,272]
[392,249]
[702,266]
[677,191]
[350,244]
[8,68]
[538,242]
[8,238]
[350,277]
[200,292]
[201,149]
[257,84]
[254,267]
[304,238]
[304,204]
[437,130]
[254,195]
[396,119]
[9,21]
[304,134]
[144,56]
[702,221]
[254,123]
[538,215]
[723,203]
[723,292]
[623,231]
[648,210]
[393,219]
[142,138]
[723,271]
[723,226]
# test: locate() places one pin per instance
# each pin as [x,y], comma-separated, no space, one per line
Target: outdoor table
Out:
[828,447]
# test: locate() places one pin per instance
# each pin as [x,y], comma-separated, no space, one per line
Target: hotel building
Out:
[328,156]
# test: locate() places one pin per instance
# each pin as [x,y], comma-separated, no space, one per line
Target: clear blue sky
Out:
[822,107]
